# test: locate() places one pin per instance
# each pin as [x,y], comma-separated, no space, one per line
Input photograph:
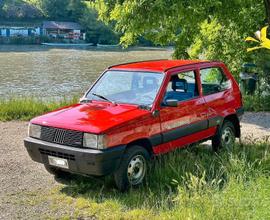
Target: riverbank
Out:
[26,108]
[190,183]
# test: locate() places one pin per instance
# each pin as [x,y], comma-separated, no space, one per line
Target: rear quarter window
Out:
[214,80]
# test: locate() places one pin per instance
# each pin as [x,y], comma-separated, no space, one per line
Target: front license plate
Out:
[58,162]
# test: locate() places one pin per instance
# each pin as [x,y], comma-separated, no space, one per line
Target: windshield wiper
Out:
[145,107]
[103,97]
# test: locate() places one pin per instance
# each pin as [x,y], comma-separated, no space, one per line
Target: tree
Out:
[18,9]
[205,29]
[96,30]
[75,9]
[55,9]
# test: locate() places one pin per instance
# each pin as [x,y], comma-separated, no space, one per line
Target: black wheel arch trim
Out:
[240,112]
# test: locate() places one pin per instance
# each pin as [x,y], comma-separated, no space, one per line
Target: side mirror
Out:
[172,102]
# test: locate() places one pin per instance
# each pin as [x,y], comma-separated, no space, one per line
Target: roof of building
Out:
[156,65]
[30,24]
[61,25]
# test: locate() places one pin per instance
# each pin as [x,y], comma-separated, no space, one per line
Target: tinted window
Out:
[214,80]
[182,86]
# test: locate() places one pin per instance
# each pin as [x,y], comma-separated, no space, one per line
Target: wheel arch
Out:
[235,120]
[143,142]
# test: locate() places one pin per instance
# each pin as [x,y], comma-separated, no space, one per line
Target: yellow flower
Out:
[262,40]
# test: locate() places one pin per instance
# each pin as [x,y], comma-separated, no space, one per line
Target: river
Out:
[45,72]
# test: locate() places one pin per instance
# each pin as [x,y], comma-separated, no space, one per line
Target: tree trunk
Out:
[267,10]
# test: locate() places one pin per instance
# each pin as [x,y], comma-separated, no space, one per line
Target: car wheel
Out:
[225,137]
[132,169]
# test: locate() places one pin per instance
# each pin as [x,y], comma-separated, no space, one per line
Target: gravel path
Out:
[19,175]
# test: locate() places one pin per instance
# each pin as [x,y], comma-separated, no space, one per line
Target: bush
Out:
[257,103]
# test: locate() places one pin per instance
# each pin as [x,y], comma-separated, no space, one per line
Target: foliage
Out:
[192,183]
[19,9]
[267,10]
[97,31]
[206,29]
[63,9]
[55,9]
[257,103]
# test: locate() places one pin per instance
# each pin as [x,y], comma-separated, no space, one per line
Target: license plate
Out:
[58,162]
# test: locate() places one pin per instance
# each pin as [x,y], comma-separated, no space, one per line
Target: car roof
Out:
[156,65]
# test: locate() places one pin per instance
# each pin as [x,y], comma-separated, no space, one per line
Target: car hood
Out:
[90,117]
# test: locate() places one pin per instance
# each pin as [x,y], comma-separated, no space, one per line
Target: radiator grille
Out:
[62,136]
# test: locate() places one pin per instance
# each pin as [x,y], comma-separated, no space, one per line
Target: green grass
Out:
[27,108]
[190,183]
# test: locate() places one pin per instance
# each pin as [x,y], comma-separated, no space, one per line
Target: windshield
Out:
[127,87]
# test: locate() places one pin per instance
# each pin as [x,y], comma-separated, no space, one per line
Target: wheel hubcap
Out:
[227,137]
[136,169]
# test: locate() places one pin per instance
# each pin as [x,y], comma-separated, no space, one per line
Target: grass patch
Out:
[27,108]
[186,184]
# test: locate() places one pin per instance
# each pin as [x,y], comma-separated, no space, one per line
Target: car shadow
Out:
[167,173]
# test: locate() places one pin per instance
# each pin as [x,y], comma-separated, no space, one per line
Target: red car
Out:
[135,111]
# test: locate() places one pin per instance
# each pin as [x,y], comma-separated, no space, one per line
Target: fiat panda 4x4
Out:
[135,111]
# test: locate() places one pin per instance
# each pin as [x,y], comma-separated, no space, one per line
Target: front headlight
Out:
[94,141]
[34,131]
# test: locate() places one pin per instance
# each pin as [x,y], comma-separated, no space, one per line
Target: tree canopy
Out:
[198,28]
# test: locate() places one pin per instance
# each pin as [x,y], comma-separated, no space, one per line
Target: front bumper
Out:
[81,161]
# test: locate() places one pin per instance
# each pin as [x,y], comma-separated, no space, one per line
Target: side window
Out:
[214,81]
[182,86]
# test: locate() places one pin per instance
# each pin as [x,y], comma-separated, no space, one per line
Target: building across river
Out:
[51,29]
[67,30]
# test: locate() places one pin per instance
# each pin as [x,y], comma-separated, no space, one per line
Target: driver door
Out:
[182,125]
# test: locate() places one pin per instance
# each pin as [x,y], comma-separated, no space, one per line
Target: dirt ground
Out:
[19,175]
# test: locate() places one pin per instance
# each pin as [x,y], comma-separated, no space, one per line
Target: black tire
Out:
[56,172]
[134,157]
[225,136]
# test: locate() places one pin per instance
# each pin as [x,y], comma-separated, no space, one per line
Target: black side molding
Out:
[156,139]
[184,131]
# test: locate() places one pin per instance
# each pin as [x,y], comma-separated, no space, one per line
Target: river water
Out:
[45,72]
